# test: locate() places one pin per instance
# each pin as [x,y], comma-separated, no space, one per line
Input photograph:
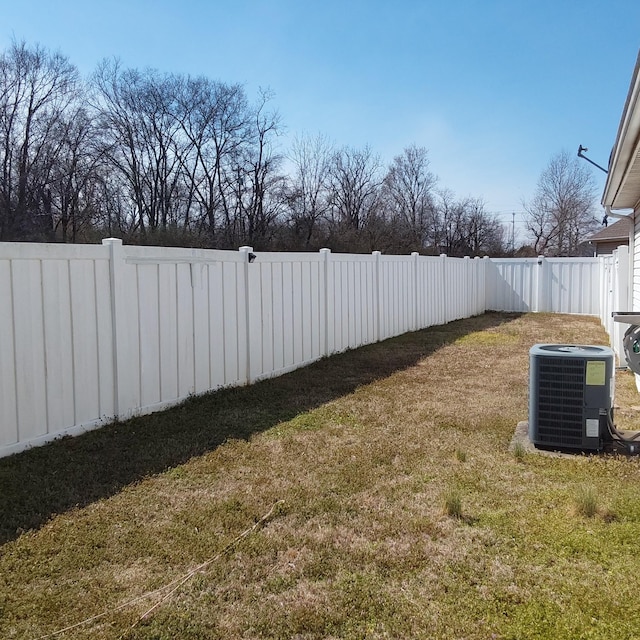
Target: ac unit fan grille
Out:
[561,400]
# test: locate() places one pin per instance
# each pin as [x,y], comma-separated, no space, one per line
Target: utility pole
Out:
[513,233]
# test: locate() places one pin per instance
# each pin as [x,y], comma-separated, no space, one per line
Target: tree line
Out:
[170,159]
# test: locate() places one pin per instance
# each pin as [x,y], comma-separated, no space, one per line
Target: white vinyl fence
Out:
[615,290]
[558,285]
[93,332]
[90,332]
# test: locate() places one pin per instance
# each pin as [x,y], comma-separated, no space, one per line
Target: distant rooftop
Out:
[617,231]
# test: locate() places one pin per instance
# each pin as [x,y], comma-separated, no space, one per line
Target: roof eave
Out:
[626,151]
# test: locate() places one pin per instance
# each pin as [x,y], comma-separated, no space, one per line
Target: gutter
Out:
[618,213]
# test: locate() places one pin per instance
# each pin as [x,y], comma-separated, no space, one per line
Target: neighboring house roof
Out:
[622,189]
[617,231]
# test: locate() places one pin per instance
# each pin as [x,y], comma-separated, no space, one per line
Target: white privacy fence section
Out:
[93,332]
[286,306]
[179,324]
[56,340]
[304,306]
[558,285]
[90,332]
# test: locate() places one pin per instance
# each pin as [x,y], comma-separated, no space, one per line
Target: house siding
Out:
[636,263]
[607,248]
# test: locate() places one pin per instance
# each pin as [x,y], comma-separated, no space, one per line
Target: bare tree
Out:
[111,206]
[168,158]
[37,89]
[75,171]
[307,194]
[215,119]
[136,114]
[561,214]
[354,188]
[482,233]
[260,184]
[447,224]
[462,227]
[408,193]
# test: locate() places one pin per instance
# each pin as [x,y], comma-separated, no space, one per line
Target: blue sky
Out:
[493,89]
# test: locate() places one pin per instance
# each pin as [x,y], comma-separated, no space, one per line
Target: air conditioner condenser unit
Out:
[571,391]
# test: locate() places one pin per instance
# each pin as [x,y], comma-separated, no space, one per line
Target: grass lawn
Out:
[371,495]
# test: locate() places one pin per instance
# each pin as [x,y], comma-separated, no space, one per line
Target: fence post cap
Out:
[112,241]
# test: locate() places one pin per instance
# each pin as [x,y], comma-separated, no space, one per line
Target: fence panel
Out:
[55,341]
[186,319]
[352,297]
[286,312]
[432,291]
[8,384]
[572,285]
[397,297]
[512,284]
[61,380]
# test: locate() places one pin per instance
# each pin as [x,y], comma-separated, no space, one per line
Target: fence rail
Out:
[93,332]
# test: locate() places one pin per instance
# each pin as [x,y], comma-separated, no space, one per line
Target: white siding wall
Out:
[90,332]
[636,265]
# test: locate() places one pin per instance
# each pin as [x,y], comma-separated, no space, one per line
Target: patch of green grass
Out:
[487,339]
[452,501]
[519,451]
[586,501]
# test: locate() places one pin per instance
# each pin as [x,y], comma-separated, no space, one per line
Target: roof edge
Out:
[626,144]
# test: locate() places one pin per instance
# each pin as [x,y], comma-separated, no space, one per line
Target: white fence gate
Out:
[91,332]
[559,285]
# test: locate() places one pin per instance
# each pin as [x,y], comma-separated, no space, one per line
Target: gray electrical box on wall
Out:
[570,396]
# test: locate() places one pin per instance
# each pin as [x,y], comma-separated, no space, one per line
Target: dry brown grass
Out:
[361,450]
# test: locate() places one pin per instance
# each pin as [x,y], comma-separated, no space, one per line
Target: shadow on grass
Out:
[73,472]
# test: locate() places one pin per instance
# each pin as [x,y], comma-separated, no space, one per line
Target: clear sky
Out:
[493,89]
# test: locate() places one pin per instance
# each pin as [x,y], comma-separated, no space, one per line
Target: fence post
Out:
[475,279]
[486,265]
[466,261]
[326,255]
[246,251]
[122,384]
[541,274]
[416,292]
[443,290]
[378,297]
